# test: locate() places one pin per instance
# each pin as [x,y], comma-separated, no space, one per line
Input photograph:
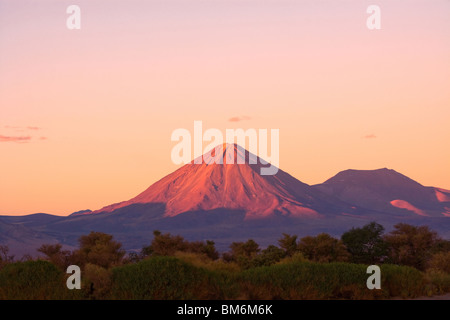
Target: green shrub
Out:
[295,258]
[440,261]
[96,281]
[403,281]
[438,282]
[33,280]
[306,280]
[203,261]
[165,278]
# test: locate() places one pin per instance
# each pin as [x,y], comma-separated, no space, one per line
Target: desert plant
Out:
[163,278]
[323,248]
[100,249]
[54,254]
[440,261]
[366,244]
[410,245]
[33,280]
[96,281]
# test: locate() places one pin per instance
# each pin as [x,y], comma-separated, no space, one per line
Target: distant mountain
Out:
[233,202]
[388,191]
[80,213]
[22,240]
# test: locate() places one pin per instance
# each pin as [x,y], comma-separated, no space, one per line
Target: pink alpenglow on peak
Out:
[234,184]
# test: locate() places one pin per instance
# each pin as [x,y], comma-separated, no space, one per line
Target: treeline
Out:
[414,261]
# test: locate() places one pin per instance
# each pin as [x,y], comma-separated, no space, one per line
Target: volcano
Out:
[386,190]
[236,184]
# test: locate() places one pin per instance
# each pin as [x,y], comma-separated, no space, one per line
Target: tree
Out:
[164,245]
[5,258]
[366,244]
[208,249]
[248,249]
[54,254]
[323,248]
[441,245]
[410,245]
[242,253]
[99,249]
[269,256]
[440,261]
[167,245]
[289,244]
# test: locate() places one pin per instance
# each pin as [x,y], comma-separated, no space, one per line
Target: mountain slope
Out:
[22,240]
[387,191]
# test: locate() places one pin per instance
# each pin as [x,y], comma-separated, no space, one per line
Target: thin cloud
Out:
[19,128]
[370,136]
[237,119]
[43,138]
[15,139]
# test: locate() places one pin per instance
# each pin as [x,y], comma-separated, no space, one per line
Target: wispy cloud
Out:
[19,128]
[12,134]
[237,119]
[370,136]
[20,139]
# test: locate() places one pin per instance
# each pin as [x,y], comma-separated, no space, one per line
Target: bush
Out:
[33,280]
[54,254]
[96,281]
[203,261]
[403,281]
[440,261]
[268,256]
[168,245]
[323,248]
[296,258]
[100,249]
[365,244]
[438,282]
[306,280]
[166,278]
[5,258]
[410,245]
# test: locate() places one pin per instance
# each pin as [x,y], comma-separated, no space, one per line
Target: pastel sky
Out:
[86,115]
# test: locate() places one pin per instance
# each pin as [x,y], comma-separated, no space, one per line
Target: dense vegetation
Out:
[414,261]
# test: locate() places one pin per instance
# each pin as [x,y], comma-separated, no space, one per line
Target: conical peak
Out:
[208,185]
[227,153]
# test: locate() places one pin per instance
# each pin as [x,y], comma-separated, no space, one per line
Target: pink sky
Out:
[86,115]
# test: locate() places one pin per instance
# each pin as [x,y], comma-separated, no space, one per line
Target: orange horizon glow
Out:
[86,115]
